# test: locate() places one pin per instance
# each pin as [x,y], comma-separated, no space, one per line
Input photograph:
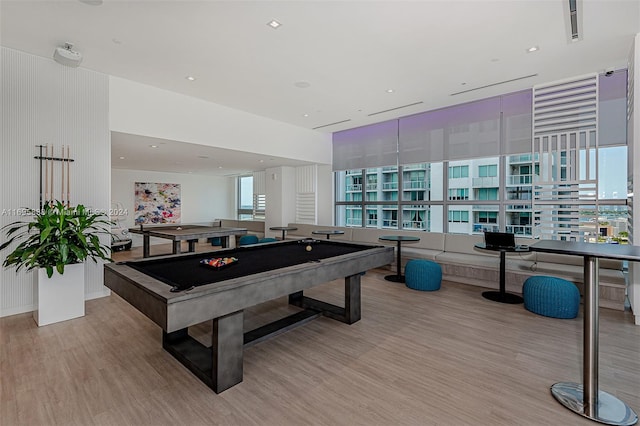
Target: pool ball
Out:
[308,248]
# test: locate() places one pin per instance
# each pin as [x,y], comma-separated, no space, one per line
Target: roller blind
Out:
[516,122]
[459,132]
[375,145]
[612,107]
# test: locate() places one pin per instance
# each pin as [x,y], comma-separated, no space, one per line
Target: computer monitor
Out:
[499,240]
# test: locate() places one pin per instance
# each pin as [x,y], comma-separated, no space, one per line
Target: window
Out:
[459,194]
[245,198]
[458,216]
[487,194]
[456,172]
[489,170]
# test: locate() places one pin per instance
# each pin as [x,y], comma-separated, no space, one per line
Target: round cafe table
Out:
[327,232]
[398,277]
[284,229]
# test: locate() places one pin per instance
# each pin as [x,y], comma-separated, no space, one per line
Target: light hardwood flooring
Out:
[416,358]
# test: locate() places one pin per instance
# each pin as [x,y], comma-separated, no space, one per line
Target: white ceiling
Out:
[349,53]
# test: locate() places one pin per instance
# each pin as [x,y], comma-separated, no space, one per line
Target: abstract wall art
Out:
[157,203]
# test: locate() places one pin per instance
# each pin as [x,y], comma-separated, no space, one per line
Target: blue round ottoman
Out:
[423,275]
[551,297]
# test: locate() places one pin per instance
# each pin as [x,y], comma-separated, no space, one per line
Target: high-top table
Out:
[586,399]
[398,277]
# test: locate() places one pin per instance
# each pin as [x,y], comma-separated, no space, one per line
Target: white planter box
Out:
[60,297]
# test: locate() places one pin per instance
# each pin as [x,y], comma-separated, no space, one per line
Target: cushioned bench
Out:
[462,262]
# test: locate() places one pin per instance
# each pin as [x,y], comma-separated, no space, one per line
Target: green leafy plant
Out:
[58,235]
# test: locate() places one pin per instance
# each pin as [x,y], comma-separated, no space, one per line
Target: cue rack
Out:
[49,174]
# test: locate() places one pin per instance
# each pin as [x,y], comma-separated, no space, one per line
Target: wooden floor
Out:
[416,358]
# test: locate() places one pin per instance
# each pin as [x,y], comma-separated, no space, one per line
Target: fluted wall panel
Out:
[44,102]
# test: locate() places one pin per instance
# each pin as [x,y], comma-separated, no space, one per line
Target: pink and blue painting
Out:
[157,203]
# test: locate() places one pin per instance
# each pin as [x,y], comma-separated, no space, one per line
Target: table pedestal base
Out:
[610,410]
[395,278]
[498,296]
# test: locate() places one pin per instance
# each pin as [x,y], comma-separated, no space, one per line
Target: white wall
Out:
[145,110]
[204,198]
[45,102]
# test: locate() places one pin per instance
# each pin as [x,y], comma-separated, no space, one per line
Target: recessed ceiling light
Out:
[389,90]
[190,78]
[532,49]
[274,24]
[302,84]
[203,156]
[122,158]
[91,2]
[116,41]
[153,146]
[305,115]
[219,167]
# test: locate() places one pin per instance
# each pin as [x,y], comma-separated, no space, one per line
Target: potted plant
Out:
[57,241]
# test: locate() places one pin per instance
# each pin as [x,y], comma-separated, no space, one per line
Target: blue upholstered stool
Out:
[247,240]
[267,240]
[551,297]
[423,275]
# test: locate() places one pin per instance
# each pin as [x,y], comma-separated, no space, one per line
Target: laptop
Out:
[499,240]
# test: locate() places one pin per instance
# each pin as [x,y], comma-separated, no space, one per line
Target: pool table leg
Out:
[349,314]
[220,366]
[228,343]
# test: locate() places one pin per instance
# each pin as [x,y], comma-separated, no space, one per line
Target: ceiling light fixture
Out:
[91,2]
[389,90]
[122,158]
[190,78]
[274,24]
[533,49]
[153,146]
[305,115]
[302,84]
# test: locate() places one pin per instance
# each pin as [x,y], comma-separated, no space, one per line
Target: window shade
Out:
[516,122]
[612,109]
[470,130]
[375,145]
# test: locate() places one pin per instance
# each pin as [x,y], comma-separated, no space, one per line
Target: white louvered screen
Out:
[259,195]
[565,155]
[632,153]
[306,194]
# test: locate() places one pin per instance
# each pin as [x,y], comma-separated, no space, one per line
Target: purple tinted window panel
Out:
[375,145]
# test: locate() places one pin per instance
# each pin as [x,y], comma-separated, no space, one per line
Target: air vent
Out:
[573,19]
[493,84]
[394,109]
[331,124]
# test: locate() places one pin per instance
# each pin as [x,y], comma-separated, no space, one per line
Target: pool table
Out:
[178,291]
[178,233]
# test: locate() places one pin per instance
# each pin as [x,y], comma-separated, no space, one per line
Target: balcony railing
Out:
[414,224]
[519,229]
[389,186]
[354,187]
[520,180]
[414,184]
[354,221]
[486,182]
[389,169]
[389,223]
[372,186]
[415,167]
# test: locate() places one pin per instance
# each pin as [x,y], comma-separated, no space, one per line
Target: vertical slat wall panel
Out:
[565,122]
[45,102]
[306,194]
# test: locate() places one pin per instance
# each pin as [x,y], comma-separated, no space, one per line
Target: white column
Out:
[634,173]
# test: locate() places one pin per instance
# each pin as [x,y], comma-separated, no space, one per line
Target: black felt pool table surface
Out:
[186,271]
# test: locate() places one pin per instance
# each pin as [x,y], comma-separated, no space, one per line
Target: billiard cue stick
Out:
[46,175]
[62,177]
[52,181]
[68,176]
